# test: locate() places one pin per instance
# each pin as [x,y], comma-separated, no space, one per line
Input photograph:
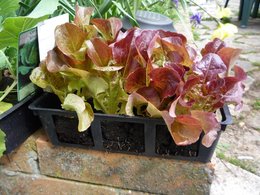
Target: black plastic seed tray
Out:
[119,133]
[18,123]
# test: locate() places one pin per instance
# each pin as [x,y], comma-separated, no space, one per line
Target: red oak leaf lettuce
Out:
[150,73]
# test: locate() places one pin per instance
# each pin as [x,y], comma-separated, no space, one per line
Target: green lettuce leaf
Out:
[2,142]
[4,106]
[83,109]
[50,82]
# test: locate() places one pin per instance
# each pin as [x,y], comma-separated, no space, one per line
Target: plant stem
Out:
[8,90]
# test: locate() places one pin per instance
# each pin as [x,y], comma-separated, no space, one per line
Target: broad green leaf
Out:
[84,111]
[4,106]
[2,142]
[5,57]
[4,62]
[45,7]
[8,7]
[11,54]
[13,26]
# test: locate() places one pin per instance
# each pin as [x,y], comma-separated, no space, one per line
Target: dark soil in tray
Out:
[122,136]
[166,146]
[67,131]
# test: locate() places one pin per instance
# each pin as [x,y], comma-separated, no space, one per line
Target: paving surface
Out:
[237,167]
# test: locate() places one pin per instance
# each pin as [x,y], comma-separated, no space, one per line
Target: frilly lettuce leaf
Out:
[69,39]
[83,109]
[99,52]
[213,46]
[138,101]
[210,66]
[82,15]
[109,28]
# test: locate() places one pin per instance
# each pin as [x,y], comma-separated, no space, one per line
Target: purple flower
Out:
[176,2]
[195,19]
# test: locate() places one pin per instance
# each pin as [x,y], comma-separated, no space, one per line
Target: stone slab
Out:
[152,175]
[230,179]
[24,158]
[20,183]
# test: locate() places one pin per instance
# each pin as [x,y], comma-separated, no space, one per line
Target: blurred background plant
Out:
[189,13]
[221,16]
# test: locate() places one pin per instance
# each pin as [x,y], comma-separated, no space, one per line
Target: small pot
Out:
[18,123]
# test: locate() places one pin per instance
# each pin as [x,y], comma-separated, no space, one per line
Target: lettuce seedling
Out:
[149,73]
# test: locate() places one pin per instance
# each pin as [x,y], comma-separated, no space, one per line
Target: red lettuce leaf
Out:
[175,44]
[99,52]
[213,46]
[143,41]
[177,67]
[209,124]
[151,95]
[192,52]
[69,39]
[82,15]
[210,66]
[234,95]
[109,28]
[53,62]
[229,55]
[142,105]
[185,130]
[165,81]
[123,52]
[135,80]
[164,34]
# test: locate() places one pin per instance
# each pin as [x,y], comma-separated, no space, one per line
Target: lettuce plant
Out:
[149,73]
